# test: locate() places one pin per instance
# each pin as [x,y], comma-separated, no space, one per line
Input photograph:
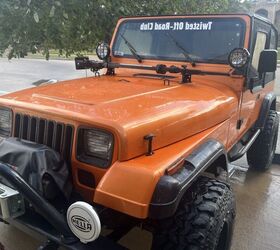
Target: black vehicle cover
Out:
[37,164]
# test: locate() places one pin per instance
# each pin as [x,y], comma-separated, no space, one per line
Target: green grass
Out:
[54,55]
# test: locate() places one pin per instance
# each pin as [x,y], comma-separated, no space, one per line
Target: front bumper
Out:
[46,221]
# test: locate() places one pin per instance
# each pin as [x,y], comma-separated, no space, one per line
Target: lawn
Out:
[54,55]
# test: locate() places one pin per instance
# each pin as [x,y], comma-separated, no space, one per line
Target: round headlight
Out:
[103,51]
[238,58]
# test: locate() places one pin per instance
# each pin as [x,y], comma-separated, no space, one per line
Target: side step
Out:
[231,170]
[245,148]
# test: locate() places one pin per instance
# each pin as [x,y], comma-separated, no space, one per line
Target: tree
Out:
[75,26]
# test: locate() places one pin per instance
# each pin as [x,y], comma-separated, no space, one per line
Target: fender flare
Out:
[269,103]
[171,188]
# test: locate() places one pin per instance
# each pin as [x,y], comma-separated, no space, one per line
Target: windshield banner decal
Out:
[177,26]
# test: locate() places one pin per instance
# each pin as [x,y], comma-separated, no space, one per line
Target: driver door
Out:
[264,37]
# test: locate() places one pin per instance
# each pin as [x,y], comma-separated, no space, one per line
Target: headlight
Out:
[5,122]
[95,147]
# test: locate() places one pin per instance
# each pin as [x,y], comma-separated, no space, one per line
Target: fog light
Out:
[83,221]
[238,58]
[103,51]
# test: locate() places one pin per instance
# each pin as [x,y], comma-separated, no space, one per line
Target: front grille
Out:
[56,135]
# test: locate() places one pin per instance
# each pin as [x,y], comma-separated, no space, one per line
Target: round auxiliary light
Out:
[238,58]
[103,51]
[83,221]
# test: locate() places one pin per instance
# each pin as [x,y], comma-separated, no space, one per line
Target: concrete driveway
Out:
[21,73]
[257,194]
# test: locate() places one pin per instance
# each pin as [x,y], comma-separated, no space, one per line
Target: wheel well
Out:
[273,105]
[269,103]
[221,162]
[210,158]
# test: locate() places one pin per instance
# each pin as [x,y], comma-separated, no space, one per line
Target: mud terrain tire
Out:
[204,223]
[262,152]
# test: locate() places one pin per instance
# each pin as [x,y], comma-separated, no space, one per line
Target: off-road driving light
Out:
[98,143]
[83,221]
[238,58]
[103,51]
[5,122]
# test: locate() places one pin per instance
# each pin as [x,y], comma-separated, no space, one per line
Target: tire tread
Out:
[193,226]
[259,155]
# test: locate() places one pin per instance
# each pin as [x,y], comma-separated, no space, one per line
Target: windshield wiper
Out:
[185,52]
[132,49]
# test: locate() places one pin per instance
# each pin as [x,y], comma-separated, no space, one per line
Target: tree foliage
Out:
[75,26]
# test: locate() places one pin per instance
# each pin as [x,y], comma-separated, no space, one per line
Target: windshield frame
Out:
[243,32]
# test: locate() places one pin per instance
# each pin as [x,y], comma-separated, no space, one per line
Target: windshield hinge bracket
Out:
[186,76]
[110,72]
[149,138]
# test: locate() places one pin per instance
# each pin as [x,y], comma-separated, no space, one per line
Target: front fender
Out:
[128,187]
[171,188]
[269,103]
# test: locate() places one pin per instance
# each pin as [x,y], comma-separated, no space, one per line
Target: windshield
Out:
[180,39]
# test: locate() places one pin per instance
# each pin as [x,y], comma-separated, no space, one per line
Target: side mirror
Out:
[267,61]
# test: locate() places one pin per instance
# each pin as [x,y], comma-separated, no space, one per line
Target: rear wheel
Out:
[262,152]
[205,223]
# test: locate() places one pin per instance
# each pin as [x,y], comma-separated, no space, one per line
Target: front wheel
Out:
[205,223]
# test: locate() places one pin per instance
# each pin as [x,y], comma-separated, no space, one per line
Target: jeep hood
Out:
[131,108]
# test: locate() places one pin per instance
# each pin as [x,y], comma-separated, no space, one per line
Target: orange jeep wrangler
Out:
[148,143]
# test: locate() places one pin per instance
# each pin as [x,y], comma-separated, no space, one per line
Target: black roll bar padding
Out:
[56,219]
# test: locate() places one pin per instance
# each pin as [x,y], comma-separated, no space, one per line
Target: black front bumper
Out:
[47,221]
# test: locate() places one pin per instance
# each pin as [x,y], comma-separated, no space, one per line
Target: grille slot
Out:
[55,135]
